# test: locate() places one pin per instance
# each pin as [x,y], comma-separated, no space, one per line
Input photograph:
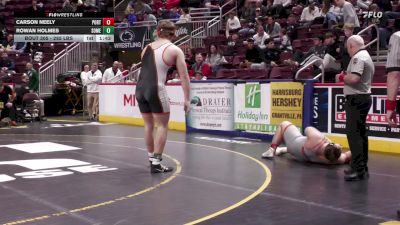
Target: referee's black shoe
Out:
[354,175]
[159,168]
[348,171]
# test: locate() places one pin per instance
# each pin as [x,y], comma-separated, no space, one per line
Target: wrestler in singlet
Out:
[150,89]
[295,142]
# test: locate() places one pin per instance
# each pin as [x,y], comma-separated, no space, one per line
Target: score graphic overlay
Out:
[64,27]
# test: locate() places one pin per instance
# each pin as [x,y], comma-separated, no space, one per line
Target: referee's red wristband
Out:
[391,104]
[341,78]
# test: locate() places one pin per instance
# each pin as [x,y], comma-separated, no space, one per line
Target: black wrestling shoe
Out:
[398,213]
[160,168]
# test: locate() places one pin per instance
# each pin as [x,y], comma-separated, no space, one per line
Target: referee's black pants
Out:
[357,107]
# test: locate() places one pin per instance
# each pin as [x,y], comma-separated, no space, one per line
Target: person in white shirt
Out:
[111,74]
[232,24]
[260,37]
[185,16]
[91,79]
[86,69]
[310,13]
[284,3]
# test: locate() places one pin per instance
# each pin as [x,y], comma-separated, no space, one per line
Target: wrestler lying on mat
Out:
[314,147]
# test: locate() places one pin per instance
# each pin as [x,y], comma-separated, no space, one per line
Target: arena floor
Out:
[79,173]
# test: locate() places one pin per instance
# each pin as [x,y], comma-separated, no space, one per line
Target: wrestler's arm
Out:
[314,138]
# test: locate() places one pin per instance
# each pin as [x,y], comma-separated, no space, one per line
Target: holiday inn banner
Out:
[252,107]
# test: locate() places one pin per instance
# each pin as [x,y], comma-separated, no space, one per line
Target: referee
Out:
[357,89]
[393,81]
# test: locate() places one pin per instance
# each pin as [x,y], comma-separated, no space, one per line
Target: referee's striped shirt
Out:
[393,59]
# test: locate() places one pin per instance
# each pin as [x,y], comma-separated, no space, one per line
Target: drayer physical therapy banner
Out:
[335,121]
[262,107]
[211,106]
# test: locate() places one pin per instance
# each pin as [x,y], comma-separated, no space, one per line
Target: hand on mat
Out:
[391,118]
[186,106]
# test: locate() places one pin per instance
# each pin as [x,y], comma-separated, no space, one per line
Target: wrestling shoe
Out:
[159,168]
[269,154]
[280,151]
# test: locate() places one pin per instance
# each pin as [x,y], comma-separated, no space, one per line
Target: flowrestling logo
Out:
[375,15]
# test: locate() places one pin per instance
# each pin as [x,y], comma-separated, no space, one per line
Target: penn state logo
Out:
[127,36]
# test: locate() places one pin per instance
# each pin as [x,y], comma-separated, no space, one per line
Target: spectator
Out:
[112,74]
[8,43]
[285,41]
[253,55]
[214,58]
[272,27]
[279,8]
[271,53]
[91,79]
[260,37]
[248,11]
[201,66]
[6,106]
[211,4]
[174,14]
[36,8]
[132,18]
[332,13]
[140,8]
[382,23]
[7,65]
[232,24]
[291,27]
[331,56]
[199,76]
[348,30]
[185,16]
[349,14]
[124,24]
[300,59]
[364,4]
[33,77]
[24,88]
[21,89]
[70,6]
[233,42]
[310,13]
[134,72]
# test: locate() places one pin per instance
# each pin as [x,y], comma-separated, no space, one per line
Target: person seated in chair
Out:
[6,106]
[313,147]
[22,90]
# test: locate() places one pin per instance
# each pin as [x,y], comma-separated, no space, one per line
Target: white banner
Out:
[211,106]
[252,107]
[118,100]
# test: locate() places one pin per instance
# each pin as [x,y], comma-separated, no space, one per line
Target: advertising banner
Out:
[253,107]
[183,29]
[321,108]
[119,100]
[287,103]
[211,106]
[376,119]
[131,38]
